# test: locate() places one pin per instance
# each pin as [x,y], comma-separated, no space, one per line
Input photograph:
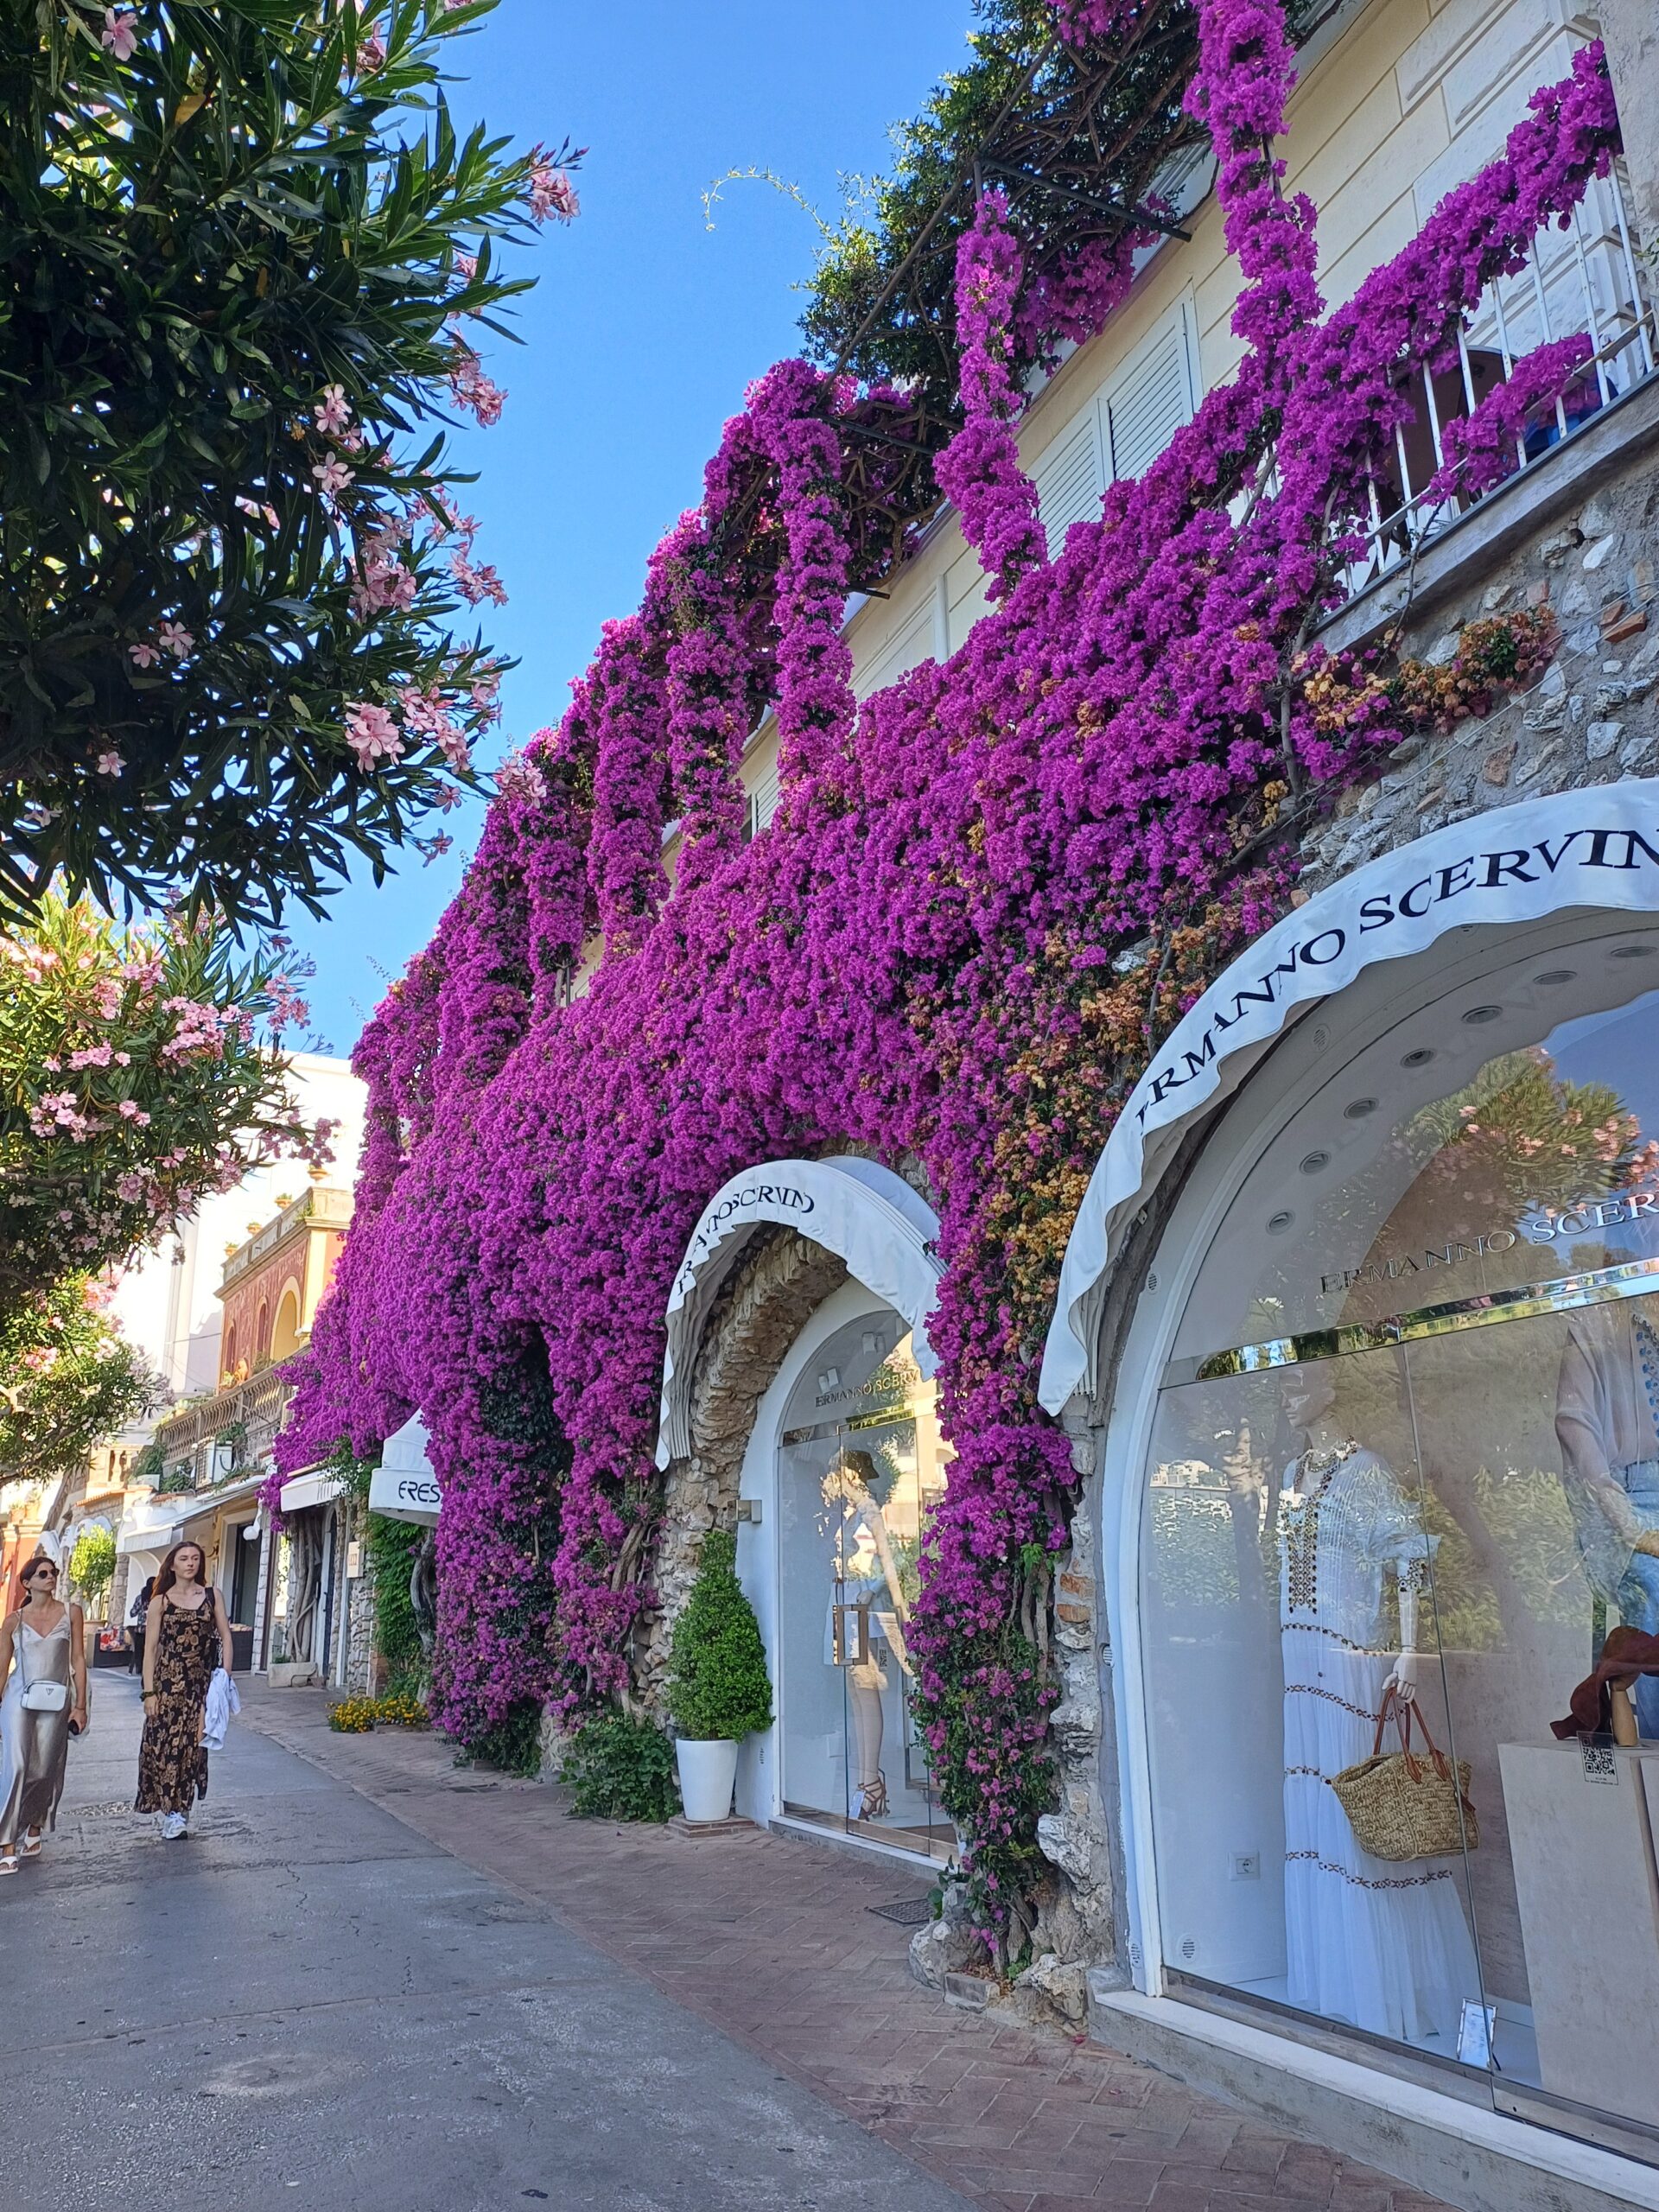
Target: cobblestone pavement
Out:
[769,1939]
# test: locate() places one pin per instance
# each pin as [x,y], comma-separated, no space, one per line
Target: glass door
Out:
[861,1463]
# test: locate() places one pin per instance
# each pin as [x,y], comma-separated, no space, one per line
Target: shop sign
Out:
[404,1496]
[770,1201]
[1541,1227]
[1491,878]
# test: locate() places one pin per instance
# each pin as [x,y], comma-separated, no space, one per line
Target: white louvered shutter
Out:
[1150,401]
[1069,481]
[910,644]
[763,799]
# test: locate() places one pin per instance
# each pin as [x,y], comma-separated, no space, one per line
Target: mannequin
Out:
[1384,1947]
[1607,1425]
[848,1483]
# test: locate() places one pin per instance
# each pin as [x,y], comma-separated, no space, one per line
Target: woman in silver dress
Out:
[43,1670]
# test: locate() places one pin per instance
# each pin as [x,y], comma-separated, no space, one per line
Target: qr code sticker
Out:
[1599,1764]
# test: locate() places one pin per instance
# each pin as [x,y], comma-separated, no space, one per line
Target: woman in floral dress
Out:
[187,1636]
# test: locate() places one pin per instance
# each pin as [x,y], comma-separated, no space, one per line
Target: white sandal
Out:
[9,1862]
[32,1842]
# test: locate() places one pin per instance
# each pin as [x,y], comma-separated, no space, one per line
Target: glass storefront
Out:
[861,1463]
[1407,1455]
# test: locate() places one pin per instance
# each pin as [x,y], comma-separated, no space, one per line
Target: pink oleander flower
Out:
[120,34]
[331,476]
[110,763]
[145,655]
[474,391]
[332,413]
[175,638]
[552,195]
[372,734]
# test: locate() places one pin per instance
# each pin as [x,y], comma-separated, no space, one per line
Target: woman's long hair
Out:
[40,1559]
[167,1577]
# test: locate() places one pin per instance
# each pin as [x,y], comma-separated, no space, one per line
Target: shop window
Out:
[1408,1441]
[861,1464]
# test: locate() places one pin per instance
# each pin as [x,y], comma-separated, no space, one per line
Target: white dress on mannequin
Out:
[1383,1946]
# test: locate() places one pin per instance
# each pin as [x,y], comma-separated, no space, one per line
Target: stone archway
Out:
[761,1308]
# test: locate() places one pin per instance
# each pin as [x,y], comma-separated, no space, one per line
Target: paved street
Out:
[773,1943]
[309,2003]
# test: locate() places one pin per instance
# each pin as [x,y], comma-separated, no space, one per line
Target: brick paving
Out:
[770,1940]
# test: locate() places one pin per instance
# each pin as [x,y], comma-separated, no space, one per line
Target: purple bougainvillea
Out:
[920,957]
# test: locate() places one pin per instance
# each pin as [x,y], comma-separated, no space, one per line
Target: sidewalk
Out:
[771,1940]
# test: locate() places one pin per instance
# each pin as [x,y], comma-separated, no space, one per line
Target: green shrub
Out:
[513,1743]
[718,1687]
[620,1770]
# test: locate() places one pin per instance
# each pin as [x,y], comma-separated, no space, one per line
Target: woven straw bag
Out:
[1403,1805]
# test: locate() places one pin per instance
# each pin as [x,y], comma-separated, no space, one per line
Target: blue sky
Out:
[643,331]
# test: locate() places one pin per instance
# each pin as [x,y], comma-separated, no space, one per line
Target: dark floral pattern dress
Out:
[172,1758]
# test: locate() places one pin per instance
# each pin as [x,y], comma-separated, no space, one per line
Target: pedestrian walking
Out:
[186,1636]
[138,1613]
[43,1703]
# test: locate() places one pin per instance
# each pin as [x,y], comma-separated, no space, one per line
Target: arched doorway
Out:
[797,1404]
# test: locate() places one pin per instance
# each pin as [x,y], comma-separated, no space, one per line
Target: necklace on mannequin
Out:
[1326,1451]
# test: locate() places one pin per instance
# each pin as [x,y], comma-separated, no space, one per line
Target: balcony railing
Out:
[322,1208]
[1588,281]
[254,1409]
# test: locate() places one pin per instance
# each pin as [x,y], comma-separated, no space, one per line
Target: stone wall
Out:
[1592,717]
[779,1281]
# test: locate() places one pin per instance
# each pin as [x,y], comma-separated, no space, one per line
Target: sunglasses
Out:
[50,1574]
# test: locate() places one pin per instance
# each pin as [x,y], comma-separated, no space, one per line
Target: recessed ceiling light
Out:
[1552,978]
[1419,1059]
[1357,1109]
[1477,1014]
[1315,1162]
[1279,1221]
[1634,951]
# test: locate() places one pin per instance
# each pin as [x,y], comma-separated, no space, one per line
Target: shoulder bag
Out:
[48,1695]
[1402,1804]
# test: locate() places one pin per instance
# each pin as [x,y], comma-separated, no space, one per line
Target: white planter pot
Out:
[708,1778]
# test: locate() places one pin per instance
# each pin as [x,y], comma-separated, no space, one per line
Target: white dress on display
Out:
[1383,1946]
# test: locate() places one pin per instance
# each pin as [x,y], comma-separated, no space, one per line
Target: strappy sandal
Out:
[31,1845]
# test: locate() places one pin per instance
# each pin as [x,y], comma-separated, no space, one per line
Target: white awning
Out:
[871,1218]
[403,1486]
[1584,849]
[316,1486]
[197,1507]
[152,1527]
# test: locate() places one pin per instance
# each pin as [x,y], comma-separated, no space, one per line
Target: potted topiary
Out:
[718,1688]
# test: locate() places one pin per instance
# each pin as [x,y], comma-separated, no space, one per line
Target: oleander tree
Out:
[67,1379]
[139,1070]
[246,262]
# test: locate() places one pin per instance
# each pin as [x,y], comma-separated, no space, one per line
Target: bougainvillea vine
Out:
[985,891]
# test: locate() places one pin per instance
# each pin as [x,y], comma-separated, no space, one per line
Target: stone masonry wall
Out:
[1593,716]
[760,1310]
